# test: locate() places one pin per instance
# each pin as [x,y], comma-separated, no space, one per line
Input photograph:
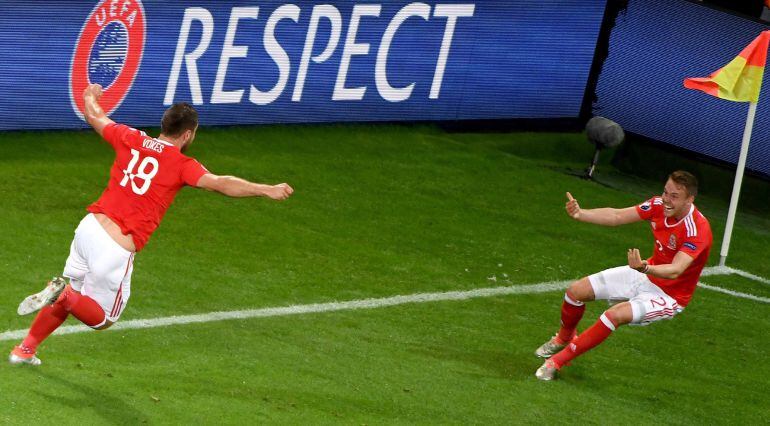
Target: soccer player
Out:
[647,290]
[145,176]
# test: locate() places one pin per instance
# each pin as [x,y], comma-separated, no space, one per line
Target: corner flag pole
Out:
[738,81]
[737,183]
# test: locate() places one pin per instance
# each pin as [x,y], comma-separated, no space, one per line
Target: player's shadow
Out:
[500,364]
[513,364]
[111,409]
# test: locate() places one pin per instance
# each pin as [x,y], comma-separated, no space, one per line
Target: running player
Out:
[145,176]
[647,290]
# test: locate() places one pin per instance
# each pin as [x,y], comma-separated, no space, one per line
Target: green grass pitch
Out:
[379,210]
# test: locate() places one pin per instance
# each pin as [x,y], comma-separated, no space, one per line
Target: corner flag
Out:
[741,79]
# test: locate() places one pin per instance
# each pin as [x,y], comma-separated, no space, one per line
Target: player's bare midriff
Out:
[113,230]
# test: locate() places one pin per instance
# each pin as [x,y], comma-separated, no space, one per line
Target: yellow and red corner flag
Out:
[741,79]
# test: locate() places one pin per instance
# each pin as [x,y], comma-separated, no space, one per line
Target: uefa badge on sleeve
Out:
[108,52]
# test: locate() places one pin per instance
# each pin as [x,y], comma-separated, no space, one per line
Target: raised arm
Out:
[603,216]
[94,114]
[236,187]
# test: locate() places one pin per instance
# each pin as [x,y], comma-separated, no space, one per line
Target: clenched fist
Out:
[94,90]
[281,191]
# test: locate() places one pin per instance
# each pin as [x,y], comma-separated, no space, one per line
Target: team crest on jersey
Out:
[108,51]
[672,242]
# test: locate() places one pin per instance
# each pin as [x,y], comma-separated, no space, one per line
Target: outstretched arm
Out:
[604,216]
[667,270]
[94,114]
[236,187]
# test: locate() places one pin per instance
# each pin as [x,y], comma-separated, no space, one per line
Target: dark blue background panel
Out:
[653,47]
[307,61]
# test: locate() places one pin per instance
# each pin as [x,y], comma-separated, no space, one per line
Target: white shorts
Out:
[98,267]
[648,302]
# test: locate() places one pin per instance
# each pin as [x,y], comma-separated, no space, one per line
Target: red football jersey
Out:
[691,235]
[145,177]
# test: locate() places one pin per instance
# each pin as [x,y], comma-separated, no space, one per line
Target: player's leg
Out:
[107,286]
[50,316]
[86,310]
[653,304]
[103,260]
[75,269]
[610,320]
[650,304]
[614,284]
[47,320]
[108,278]
[47,296]
[572,309]
[99,271]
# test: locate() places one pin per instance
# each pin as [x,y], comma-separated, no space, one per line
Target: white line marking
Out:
[363,304]
[735,293]
[750,276]
[726,270]
[311,308]
[717,270]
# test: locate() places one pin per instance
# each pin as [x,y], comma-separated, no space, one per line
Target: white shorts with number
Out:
[98,267]
[648,302]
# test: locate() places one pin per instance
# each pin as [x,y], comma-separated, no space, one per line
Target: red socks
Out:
[52,316]
[571,312]
[47,320]
[587,340]
[85,309]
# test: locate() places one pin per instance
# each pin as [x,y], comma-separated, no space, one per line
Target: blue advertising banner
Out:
[308,61]
[654,45]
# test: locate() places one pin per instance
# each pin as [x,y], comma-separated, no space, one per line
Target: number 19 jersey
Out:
[144,179]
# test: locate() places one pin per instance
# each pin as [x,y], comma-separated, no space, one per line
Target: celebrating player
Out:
[145,176]
[653,289]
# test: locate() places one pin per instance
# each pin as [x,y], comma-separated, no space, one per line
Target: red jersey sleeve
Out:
[694,246]
[117,134]
[192,171]
[648,208]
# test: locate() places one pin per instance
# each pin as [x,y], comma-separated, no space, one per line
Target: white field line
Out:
[735,293]
[750,276]
[726,270]
[359,304]
[717,270]
[311,308]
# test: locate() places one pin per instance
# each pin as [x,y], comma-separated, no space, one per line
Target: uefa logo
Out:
[108,52]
